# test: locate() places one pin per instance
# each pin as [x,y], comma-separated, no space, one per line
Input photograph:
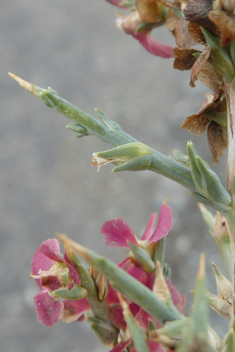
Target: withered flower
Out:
[223,16]
[213,118]
[197,11]
[217,16]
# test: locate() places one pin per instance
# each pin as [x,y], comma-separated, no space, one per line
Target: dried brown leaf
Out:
[182,37]
[184,58]
[217,140]
[171,20]
[196,124]
[225,24]
[196,33]
[148,10]
[198,66]
[197,11]
[210,77]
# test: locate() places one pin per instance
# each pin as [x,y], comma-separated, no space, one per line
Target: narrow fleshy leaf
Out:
[219,54]
[48,309]
[135,331]
[212,186]
[195,333]
[105,331]
[117,232]
[159,163]
[124,283]
[75,293]
[153,347]
[142,257]
[230,342]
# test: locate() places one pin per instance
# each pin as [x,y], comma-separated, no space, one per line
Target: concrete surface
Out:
[47,183]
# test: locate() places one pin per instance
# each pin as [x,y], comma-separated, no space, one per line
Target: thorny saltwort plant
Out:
[134,306]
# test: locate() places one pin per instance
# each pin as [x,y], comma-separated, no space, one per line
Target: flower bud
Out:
[220,305]
[205,179]
[132,156]
[76,127]
[224,286]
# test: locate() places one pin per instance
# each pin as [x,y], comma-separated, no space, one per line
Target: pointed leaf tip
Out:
[24,84]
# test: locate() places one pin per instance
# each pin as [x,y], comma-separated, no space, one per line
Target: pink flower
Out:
[51,271]
[117,233]
[130,25]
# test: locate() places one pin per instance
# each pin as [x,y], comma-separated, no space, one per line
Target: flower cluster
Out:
[65,294]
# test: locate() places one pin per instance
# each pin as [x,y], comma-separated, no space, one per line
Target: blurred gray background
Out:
[47,182]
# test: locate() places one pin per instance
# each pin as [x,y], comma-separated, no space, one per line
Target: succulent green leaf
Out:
[105,332]
[142,257]
[75,293]
[232,51]
[135,331]
[76,127]
[212,187]
[207,182]
[219,54]
[195,334]
[181,158]
[159,253]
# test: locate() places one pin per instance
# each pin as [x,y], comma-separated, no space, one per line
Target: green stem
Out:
[230,98]
[230,219]
[230,215]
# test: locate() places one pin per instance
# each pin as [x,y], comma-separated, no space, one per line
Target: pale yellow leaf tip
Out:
[24,84]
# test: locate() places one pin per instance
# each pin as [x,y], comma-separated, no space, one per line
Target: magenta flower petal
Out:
[155,346]
[121,346]
[143,318]
[50,253]
[116,316]
[73,310]
[138,274]
[49,282]
[153,46]
[149,229]
[165,223]
[112,297]
[73,272]
[178,300]
[48,309]
[41,261]
[117,232]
